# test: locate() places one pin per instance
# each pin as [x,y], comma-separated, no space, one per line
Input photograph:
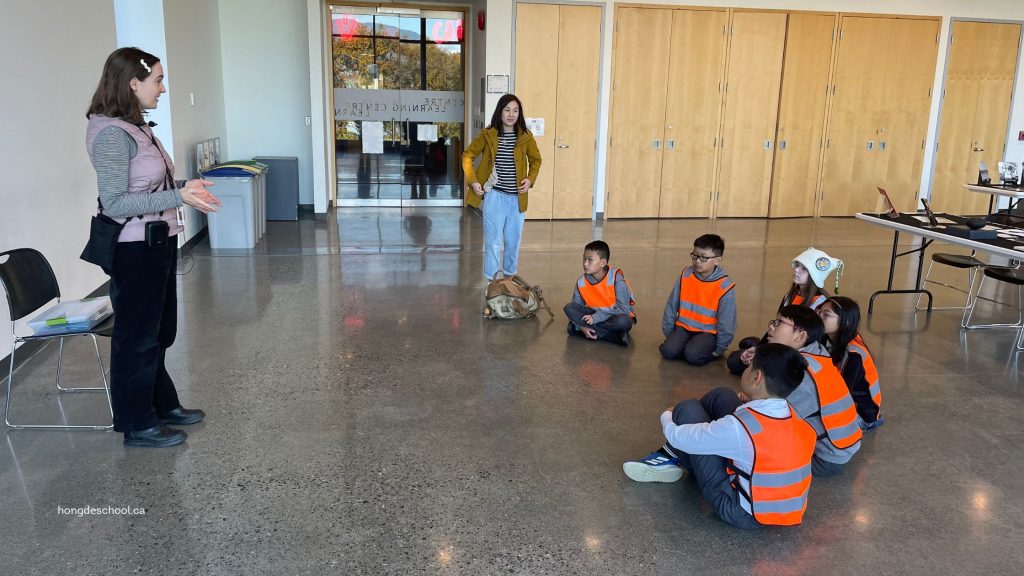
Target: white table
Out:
[908,224]
[1013,193]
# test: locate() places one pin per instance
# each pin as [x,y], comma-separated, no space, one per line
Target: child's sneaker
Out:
[655,467]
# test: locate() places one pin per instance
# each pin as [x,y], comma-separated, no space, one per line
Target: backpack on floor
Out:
[512,297]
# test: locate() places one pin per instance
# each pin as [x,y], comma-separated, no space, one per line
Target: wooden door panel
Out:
[536,81]
[907,105]
[975,111]
[802,103]
[579,68]
[692,113]
[639,69]
[751,113]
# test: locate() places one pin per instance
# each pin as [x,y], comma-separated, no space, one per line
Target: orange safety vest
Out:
[835,405]
[781,477]
[857,346]
[798,300]
[602,294]
[698,301]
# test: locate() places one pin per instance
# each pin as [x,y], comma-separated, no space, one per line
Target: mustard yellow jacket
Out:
[526,156]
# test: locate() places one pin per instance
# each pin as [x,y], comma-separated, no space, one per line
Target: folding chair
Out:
[1010,275]
[30,284]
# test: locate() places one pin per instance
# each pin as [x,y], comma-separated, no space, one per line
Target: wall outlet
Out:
[309,122]
[191,98]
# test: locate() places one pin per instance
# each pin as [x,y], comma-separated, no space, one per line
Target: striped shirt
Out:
[112,150]
[505,164]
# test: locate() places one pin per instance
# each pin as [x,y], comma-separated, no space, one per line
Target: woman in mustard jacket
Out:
[509,164]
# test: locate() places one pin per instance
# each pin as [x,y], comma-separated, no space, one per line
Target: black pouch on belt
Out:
[156,233]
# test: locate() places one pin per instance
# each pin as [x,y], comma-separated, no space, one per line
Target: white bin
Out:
[235,224]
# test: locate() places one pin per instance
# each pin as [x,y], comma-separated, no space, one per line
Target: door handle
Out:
[656,144]
[767,145]
[979,149]
[563,145]
[782,144]
[671,144]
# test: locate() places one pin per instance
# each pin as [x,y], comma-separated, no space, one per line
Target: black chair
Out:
[30,284]
[1010,275]
[963,262]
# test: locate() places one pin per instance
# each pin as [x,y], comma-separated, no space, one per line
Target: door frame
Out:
[325,101]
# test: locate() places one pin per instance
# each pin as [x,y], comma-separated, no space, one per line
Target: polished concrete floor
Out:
[364,419]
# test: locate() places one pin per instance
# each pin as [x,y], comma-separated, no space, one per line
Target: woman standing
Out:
[135,177]
[509,164]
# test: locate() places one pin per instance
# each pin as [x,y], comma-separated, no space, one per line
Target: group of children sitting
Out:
[808,388]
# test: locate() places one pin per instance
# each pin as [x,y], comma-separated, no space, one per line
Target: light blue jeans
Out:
[503,223]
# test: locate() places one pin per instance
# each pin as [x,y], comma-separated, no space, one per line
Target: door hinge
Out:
[841,32]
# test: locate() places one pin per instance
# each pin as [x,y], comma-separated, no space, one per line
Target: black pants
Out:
[697,348]
[611,329]
[143,293]
[707,469]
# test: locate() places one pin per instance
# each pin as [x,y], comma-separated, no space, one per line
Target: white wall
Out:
[192,64]
[265,50]
[51,61]
[140,23]
[500,32]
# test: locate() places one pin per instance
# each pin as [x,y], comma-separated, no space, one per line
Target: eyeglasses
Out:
[699,258]
[827,314]
[775,324]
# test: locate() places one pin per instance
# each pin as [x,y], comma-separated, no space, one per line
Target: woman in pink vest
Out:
[135,178]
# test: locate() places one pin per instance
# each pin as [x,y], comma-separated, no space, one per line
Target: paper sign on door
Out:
[536,126]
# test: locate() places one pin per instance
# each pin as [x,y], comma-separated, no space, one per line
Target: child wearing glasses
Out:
[811,269]
[822,398]
[602,300]
[700,314]
[841,318]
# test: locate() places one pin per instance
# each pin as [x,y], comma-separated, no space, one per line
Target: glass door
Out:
[399,105]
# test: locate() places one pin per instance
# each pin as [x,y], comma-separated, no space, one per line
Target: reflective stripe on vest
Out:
[698,301]
[838,413]
[602,294]
[857,346]
[779,482]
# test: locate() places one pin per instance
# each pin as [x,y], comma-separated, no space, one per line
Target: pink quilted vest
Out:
[146,172]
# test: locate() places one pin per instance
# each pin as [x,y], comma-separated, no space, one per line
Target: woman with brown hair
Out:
[137,190]
[509,164]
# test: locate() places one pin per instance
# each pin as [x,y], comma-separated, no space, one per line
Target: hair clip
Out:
[146,66]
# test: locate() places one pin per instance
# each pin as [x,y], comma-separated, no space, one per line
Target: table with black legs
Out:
[917,225]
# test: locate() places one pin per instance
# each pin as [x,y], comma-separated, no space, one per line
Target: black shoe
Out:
[573,330]
[156,437]
[182,417]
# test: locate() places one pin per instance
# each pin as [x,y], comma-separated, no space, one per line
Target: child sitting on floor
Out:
[602,301]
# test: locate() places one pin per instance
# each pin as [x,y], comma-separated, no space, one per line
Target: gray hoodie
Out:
[726,310]
[805,401]
[622,298]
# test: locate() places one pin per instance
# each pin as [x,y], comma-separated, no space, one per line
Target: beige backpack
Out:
[512,297]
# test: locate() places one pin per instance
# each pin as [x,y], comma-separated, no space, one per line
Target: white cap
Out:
[820,265]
